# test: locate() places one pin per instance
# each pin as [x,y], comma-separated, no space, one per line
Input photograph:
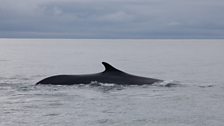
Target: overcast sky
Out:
[112,18]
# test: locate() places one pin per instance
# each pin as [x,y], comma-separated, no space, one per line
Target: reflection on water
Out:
[109,104]
[195,65]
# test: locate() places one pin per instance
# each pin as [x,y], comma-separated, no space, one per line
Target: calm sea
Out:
[197,65]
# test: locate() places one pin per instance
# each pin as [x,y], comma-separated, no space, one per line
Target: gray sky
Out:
[112,18]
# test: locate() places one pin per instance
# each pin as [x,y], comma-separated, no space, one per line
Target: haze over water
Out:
[196,64]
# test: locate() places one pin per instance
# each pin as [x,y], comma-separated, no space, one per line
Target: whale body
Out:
[109,75]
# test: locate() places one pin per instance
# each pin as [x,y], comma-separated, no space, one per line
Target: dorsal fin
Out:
[110,68]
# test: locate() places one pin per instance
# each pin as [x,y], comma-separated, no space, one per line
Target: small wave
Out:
[92,84]
[106,86]
[113,86]
[95,83]
[206,86]
[167,83]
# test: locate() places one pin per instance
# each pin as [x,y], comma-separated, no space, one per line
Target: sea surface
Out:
[197,66]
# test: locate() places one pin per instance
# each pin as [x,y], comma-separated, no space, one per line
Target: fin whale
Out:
[109,75]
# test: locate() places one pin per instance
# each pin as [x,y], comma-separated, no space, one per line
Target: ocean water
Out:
[196,65]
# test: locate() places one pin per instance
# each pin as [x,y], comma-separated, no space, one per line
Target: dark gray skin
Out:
[109,75]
